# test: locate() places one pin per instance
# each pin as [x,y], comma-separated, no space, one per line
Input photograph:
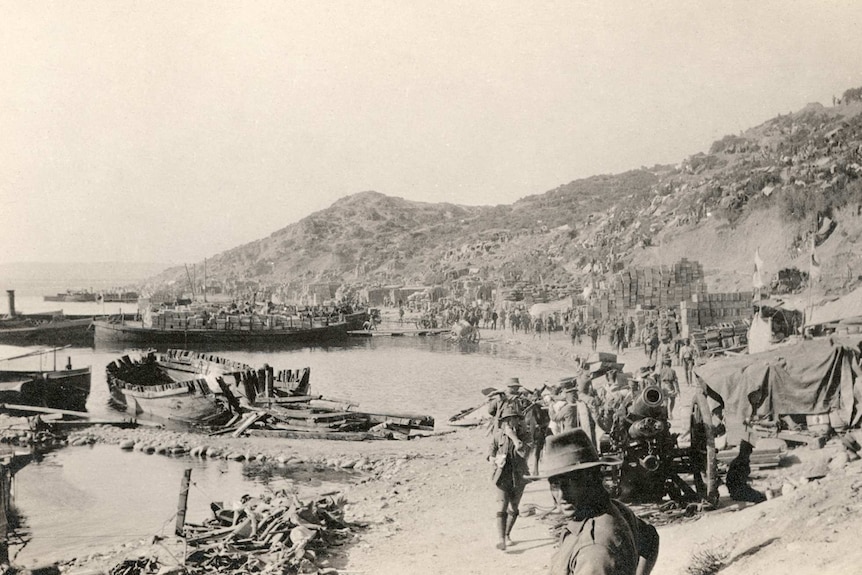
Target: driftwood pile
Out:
[276,533]
[273,533]
[314,417]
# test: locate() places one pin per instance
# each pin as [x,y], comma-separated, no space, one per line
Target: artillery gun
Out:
[653,459]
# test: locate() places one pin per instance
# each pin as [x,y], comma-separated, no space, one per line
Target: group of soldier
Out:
[560,425]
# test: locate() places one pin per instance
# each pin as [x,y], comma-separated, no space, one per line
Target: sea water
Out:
[79,499]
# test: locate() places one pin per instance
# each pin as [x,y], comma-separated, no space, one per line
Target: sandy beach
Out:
[429,502]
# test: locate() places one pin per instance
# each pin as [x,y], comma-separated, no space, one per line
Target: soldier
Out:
[686,359]
[513,395]
[508,454]
[537,422]
[602,536]
[594,334]
[669,385]
[567,415]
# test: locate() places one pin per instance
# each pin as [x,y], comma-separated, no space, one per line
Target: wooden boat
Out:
[193,387]
[73,296]
[232,332]
[56,330]
[66,389]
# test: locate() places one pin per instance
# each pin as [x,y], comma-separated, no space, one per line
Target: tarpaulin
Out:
[847,306]
[543,309]
[810,377]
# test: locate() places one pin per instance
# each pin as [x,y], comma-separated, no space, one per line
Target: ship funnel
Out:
[11,295]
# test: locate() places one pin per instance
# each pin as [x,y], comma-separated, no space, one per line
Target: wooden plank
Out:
[302,426]
[334,435]
[249,421]
[814,442]
[306,414]
[353,408]
[290,399]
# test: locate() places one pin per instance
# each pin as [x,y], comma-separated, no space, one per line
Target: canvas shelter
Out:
[848,306]
[810,377]
[544,309]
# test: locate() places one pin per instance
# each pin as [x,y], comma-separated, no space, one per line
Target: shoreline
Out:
[402,487]
[428,502]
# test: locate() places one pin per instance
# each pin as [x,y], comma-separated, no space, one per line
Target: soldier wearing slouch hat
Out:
[602,535]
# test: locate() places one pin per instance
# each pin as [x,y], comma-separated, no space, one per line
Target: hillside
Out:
[768,188]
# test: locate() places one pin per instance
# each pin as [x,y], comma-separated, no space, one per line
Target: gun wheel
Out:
[703,452]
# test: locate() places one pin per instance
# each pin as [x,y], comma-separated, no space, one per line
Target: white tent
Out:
[845,307]
[543,309]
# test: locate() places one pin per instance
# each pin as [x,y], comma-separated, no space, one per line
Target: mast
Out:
[191,283]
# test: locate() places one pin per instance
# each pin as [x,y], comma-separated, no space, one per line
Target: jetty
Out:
[397,332]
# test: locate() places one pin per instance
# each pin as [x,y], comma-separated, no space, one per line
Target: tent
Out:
[810,377]
[844,307]
[543,309]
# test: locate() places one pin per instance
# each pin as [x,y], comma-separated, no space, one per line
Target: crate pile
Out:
[185,320]
[705,310]
[174,319]
[731,335]
[659,286]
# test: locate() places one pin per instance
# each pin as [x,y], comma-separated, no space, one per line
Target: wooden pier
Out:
[397,332]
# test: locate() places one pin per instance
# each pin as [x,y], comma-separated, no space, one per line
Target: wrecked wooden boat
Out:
[194,387]
[66,389]
[202,388]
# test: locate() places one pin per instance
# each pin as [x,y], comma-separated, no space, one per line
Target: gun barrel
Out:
[649,403]
[649,462]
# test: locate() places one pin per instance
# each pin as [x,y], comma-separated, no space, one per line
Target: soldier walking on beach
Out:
[602,536]
[594,334]
[512,395]
[686,359]
[508,455]
[669,385]
[537,422]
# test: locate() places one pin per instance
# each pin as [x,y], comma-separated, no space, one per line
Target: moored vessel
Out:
[226,330]
[66,389]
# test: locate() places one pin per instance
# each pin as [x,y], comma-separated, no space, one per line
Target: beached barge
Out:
[231,330]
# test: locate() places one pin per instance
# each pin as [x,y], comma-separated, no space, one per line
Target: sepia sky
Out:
[170,131]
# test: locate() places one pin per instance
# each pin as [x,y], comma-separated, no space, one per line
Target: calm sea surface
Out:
[78,499]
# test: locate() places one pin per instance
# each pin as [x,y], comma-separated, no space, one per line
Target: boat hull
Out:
[173,405]
[63,389]
[143,386]
[193,387]
[133,334]
[75,331]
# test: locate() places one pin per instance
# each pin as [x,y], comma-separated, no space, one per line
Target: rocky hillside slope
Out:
[769,188]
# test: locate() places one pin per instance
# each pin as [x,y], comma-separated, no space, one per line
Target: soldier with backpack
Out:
[509,445]
[686,359]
